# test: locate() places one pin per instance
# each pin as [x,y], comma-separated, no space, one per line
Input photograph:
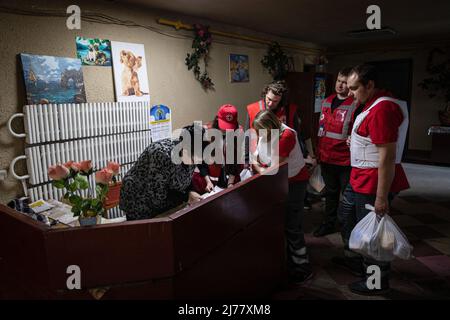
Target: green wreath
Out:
[276,61]
[200,44]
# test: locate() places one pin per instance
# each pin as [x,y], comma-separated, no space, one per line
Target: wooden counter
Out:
[230,245]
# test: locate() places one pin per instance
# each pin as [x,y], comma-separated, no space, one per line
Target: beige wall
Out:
[169,80]
[424,111]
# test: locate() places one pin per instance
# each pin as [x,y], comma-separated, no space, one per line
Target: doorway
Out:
[396,77]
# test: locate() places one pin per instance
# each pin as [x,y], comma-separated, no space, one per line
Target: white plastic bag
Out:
[316,179]
[245,174]
[379,238]
[391,241]
[363,232]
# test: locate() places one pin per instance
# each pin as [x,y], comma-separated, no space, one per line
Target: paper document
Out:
[214,191]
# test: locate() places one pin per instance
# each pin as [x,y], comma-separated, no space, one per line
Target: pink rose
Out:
[68,164]
[58,172]
[75,166]
[104,176]
[85,166]
[114,167]
[201,33]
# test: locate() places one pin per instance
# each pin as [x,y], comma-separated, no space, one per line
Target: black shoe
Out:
[353,265]
[307,205]
[324,229]
[301,277]
[360,287]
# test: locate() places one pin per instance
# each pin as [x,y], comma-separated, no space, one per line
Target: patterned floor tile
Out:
[438,264]
[436,288]
[412,269]
[403,206]
[433,208]
[317,242]
[394,212]
[443,228]
[287,294]
[353,296]
[322,280]
[445,204]
[404,290]
[406,221]
[413,199]
[322,256]
[426,225]
[309,293]
[422,249]
[429,219]
[340,275]
[422,232]
[441,244]
[335,239]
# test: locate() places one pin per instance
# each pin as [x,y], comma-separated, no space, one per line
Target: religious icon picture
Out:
[239,68]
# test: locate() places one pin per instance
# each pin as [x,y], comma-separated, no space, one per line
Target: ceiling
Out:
[322,22]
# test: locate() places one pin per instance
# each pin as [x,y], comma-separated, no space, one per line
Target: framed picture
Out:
[94,52]
[130,71]
[239,68]
[50,79]
[319,92]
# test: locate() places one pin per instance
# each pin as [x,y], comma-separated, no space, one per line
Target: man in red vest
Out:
[333,152]
[377,141]
[274,98]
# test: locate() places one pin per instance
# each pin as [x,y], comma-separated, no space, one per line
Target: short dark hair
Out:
[365,73]
[345,71]
[278,88]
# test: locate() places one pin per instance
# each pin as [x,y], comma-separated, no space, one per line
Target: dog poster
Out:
[94,52]
[130,71]
[50,79]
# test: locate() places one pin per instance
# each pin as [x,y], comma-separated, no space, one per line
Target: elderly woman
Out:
[156,183]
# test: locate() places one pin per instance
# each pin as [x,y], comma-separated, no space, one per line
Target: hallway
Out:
[423,213]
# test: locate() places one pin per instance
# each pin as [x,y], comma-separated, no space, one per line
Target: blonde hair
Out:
[266,119]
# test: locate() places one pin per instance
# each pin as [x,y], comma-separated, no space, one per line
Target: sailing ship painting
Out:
[50,79]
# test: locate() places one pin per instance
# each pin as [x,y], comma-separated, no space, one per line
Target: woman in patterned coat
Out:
[155,183]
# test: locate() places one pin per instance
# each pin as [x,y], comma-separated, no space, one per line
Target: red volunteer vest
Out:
[254,108]
[334,129]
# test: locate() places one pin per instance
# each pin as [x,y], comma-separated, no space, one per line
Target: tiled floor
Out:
[426,223]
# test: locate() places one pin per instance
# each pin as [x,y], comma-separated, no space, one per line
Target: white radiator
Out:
[101,132]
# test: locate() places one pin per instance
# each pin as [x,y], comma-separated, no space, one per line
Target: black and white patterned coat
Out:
[155,184]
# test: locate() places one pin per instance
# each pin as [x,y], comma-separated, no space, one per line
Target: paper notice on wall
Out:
[319,92]
[160,122]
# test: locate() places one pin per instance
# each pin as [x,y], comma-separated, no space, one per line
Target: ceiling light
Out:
[375,33]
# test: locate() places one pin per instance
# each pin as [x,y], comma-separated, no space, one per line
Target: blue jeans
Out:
[351,211]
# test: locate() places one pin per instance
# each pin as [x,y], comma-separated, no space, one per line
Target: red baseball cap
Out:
[227,116]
